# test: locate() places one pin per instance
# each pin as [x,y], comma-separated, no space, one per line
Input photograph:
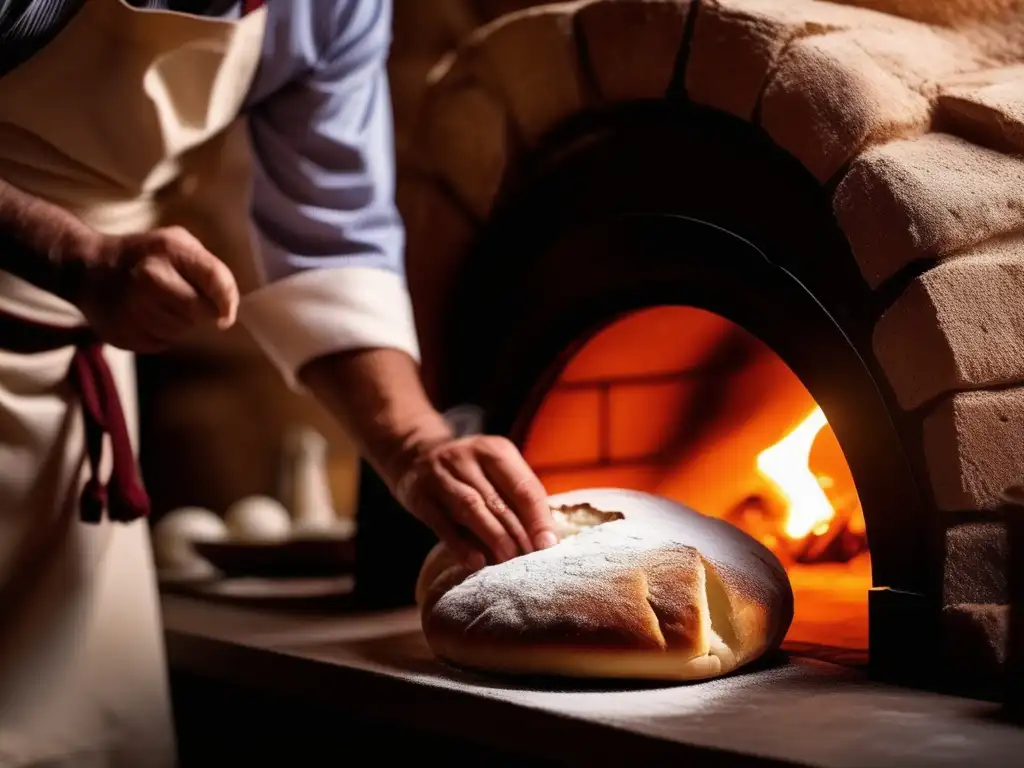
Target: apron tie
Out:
[101,405]
[89,376]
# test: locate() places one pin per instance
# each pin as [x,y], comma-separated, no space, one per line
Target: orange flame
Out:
[787,466]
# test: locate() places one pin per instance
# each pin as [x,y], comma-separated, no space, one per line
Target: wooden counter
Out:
[349,679]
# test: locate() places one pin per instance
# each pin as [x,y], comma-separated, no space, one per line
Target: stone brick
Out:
[958,326]
[947,13]
[530,60]
[493,9]
[995,27]
[835,95]
[974,448]
[987,108]
[977,557]
[438,235]
[736,45]
[920,56]
[464,138]
[924,198]
[633,45]
[829,99]
[974,643]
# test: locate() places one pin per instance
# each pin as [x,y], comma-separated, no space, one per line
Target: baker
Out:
[167,165]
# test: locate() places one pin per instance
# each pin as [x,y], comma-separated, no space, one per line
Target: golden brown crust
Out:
[675,575]
[653,591]
[440,572]
[613,615]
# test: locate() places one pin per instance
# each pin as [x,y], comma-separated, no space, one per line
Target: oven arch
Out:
[654,203]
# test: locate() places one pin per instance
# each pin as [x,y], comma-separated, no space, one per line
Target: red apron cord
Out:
[84,383]
[123,497]
[248,6]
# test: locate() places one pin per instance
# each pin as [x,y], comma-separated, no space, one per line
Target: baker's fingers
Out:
[466,507]
[163,286]
[158,323]
[137,325]
[465,467]
[176,307]
[516,481]
[212,278]
[464,548]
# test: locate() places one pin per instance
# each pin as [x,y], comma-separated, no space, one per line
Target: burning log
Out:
[839,540]
[760,519]
[838,543]
[802,521]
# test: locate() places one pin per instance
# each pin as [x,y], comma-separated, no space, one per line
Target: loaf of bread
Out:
[637,587]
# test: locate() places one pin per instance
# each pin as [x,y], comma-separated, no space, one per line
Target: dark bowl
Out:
[295,558]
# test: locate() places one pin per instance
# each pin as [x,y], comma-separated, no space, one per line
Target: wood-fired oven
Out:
[762,256]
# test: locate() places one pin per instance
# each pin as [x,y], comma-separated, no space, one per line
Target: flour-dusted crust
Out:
[638,587]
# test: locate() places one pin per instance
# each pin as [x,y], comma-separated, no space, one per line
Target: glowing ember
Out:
[787,466]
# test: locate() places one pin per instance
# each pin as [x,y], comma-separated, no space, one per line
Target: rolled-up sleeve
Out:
[329,234]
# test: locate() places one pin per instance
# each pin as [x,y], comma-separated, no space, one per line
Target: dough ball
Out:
[637,587]
[175,533]
[257,520]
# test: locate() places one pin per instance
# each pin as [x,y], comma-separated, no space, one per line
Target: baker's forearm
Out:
[41,242]
[477,493]
[378,396]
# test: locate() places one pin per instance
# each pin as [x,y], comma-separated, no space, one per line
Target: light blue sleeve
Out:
[330,236]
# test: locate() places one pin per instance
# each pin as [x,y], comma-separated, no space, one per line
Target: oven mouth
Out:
[685,405]
[731,292]
[619,215]
[740,284]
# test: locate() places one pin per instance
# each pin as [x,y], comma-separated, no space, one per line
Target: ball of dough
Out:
[175,533]
[257,520]
[637,587]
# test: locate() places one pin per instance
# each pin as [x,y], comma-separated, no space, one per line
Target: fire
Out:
[787,466]
[682,403]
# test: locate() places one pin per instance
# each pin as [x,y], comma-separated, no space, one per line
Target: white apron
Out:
[129,119]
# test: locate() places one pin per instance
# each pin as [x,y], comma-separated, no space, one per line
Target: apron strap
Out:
[124,497]
[248,6]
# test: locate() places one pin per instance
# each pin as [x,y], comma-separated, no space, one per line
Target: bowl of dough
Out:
[256,537]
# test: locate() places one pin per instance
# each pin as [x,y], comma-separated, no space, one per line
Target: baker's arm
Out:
[377,395]
[335,315]
[139,292]
[42,243]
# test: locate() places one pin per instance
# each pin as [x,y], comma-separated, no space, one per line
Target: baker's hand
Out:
[480,497]
[144,292]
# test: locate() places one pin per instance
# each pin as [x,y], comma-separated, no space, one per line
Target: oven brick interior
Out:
[910,111]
